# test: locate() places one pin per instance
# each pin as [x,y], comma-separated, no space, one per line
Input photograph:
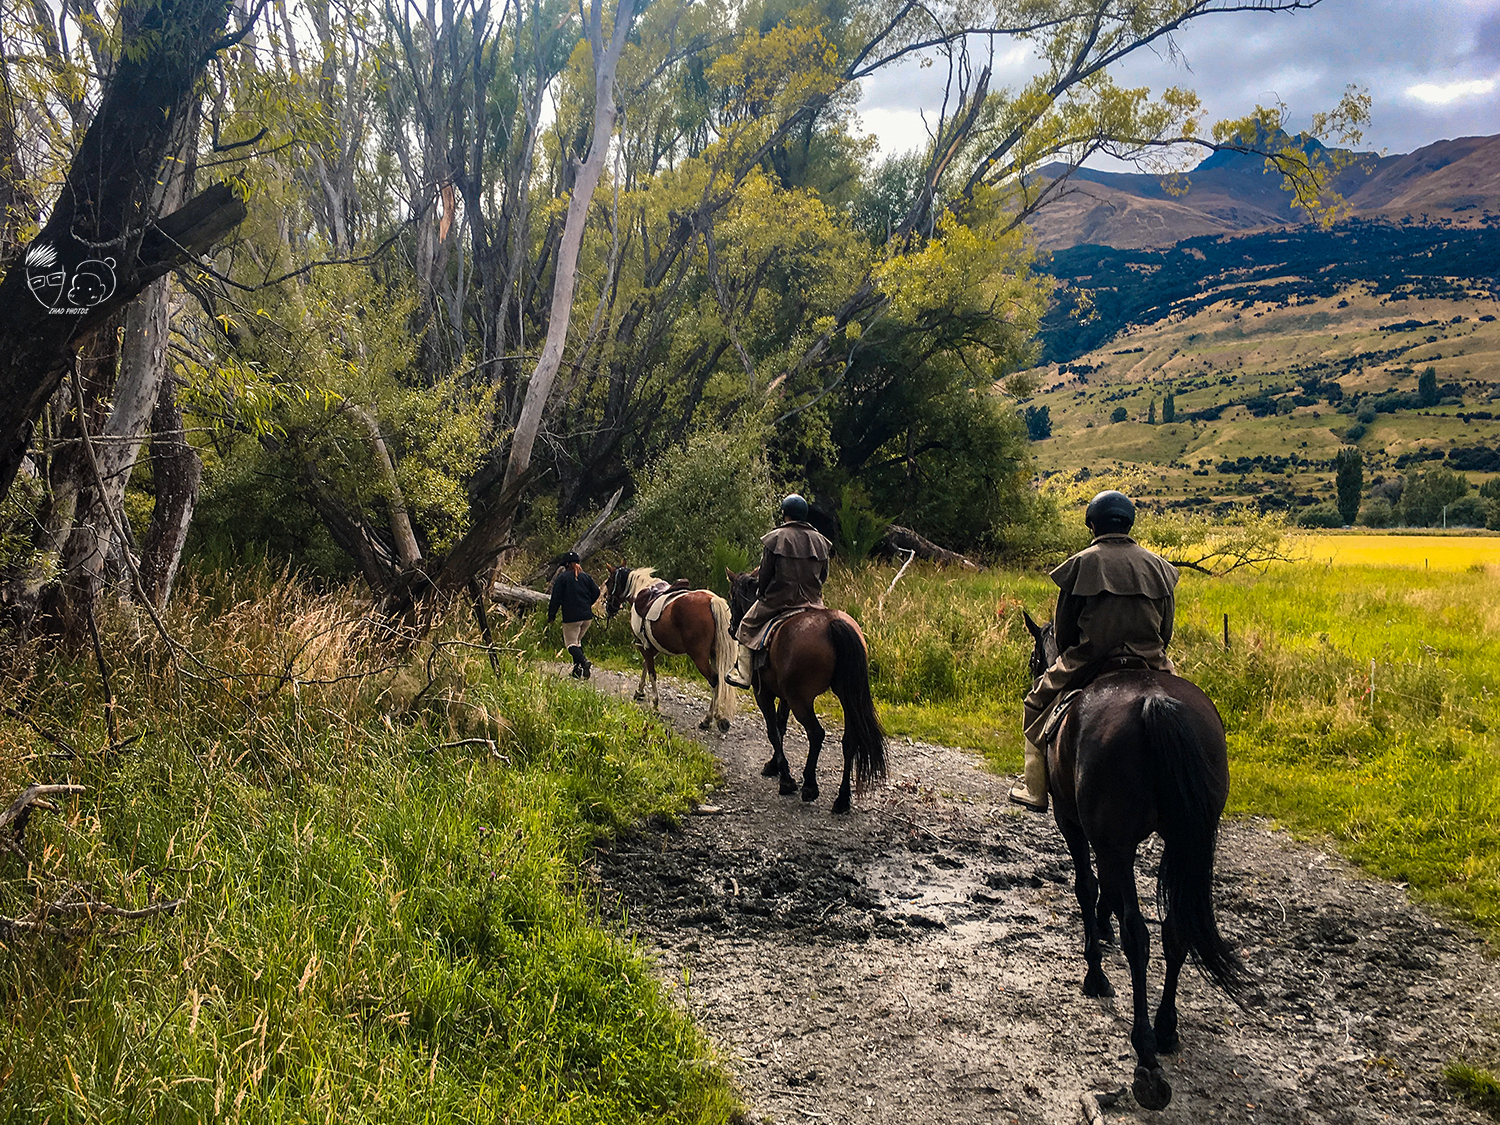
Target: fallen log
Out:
[899,538]
[517,595]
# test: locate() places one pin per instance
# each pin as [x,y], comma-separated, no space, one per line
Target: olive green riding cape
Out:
[1115,598]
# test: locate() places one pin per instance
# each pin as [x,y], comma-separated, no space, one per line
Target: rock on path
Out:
[919,960]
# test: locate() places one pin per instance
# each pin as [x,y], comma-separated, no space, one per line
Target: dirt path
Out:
[919,960]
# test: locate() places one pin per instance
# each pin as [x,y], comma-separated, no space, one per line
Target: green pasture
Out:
[385,915]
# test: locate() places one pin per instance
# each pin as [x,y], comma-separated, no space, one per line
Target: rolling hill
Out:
[1450,182]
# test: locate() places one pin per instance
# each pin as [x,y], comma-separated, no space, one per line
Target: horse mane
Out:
[640,578]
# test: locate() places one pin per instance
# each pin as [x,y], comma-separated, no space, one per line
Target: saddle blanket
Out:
[768,631]
[641,625]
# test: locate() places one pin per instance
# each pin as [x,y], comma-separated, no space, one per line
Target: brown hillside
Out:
[1450,180]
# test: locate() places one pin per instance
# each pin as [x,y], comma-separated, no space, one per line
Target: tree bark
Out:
[488,536]
[407,551]
[905,539]
[178,473]
[104,234]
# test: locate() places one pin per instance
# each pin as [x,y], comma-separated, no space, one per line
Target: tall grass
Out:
[386,916]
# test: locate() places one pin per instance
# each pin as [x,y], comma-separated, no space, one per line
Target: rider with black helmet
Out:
[1115,598]
[793,568]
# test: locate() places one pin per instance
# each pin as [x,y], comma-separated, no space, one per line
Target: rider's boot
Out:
[581,666]
[739,676]
[1032,794]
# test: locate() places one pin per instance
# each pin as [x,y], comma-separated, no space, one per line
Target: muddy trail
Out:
[919,960]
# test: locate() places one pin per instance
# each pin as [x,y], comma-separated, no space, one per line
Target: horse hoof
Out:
[809,792]
[1096,986]
[705,724]
[640,697]
[1151,1088]
[770,769]
[723,725]
[788,787]
[841,805]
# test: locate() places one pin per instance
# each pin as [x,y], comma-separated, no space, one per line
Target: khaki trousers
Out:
[573,632]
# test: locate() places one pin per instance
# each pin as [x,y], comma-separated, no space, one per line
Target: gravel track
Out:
[920,959]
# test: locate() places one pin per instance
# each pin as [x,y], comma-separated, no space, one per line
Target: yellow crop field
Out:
[1432,552]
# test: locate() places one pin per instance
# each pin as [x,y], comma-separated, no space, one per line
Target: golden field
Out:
[1430,552]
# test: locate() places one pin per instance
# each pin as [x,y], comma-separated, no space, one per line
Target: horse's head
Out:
[1043,646]
[743,590]
[615,587]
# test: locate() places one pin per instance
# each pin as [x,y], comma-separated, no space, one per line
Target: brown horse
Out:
[1138,752]
[695,624]
[813,652]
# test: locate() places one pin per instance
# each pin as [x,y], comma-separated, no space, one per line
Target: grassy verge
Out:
[384,915]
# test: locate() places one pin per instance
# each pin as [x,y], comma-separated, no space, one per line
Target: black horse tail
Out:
[851,683]
[1188,819]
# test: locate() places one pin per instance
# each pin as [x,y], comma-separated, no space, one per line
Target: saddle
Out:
[1125,663]
[651,603]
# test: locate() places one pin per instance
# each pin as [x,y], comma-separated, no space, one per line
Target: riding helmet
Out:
[1110,512]
[794,508]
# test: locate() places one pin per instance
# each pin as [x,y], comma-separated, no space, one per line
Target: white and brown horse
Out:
[679,622]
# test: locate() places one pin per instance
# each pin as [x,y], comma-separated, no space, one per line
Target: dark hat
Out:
[1108,512]
[794,507]
[570,558]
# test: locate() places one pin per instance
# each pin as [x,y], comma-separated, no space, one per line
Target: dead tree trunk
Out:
[490,532]
[105,240]
[178,473]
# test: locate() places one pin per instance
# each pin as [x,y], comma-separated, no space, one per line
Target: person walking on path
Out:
[574,594]
[793,568]
[1115,598]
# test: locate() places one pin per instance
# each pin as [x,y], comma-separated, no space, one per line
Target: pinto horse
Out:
[810,653]
[695,624]
[1141,751]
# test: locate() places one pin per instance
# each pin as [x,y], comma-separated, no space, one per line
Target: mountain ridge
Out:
[1449,182]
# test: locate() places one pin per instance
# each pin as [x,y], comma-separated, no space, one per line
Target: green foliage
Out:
[1169,408]
[1427,387]
[375,919]
[1348,481]
[1377,512]
[1426,494]
[1151,413]
[1474,1085]
[1038,421]
[1118,414]
[1467,511]
[711,496]
[1322,515]
[860,527]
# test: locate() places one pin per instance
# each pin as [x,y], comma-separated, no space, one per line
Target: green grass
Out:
[379,926]
[1476,1086]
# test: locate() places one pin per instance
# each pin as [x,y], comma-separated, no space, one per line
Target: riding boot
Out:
[581,666]
[740,675]
[1033,794]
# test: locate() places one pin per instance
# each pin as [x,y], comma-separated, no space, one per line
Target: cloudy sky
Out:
[1432,67]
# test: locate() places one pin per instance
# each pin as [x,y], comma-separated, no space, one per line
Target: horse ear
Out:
[731,575]
[1031,626]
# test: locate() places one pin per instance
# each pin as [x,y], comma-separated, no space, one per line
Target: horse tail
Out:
[722,654]
[851,683]
[1188,817]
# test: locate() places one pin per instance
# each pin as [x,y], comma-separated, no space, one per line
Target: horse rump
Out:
[851,683]
[1188,808]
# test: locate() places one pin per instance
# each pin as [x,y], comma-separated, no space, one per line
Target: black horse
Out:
[1141,751]
[815,651]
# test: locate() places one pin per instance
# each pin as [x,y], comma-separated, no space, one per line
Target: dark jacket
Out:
[1115,598]
[793,566]
[574,596]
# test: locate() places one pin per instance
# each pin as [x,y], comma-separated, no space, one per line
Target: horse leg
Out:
[1174,948]
[640,688]
[651,667]
[1117,873]
[809,720]
[1086,887]
[775,727]
[787,786]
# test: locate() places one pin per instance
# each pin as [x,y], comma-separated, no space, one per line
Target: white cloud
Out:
[1449,92]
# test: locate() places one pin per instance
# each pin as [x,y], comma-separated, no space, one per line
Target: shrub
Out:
[712,494]
[1467,511]
[1355,432]
[1427,494]
[860,528]
[1349,480]
[1119,414]
[1038,422]
[1321,515]
[1377,512]
[1366,415]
